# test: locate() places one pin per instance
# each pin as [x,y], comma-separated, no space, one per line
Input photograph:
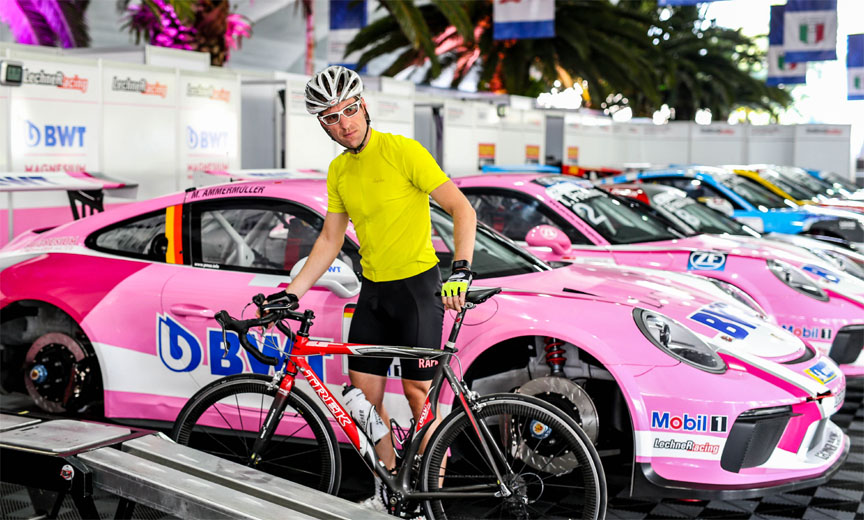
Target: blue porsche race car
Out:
[751,204]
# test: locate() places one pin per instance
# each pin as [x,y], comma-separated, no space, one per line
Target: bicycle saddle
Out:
[478,296]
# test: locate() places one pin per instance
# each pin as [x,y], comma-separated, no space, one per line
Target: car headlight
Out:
[740,296]
[795,279]
[678,341]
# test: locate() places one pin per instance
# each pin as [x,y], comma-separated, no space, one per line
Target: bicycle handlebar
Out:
[275,313]
[271,314]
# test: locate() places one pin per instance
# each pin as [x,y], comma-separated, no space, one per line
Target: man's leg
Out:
[416,392]
[373,386]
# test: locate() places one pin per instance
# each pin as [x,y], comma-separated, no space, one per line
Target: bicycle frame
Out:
[401,482]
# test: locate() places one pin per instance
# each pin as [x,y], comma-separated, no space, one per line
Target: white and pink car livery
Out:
[120,305]
[802,292]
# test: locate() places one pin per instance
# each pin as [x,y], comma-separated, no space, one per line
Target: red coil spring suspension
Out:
[555,357]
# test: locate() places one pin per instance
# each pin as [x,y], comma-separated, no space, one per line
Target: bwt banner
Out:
[55,122]
[779,71]
[855,66]
[523,19]
[347,17]
[810,30]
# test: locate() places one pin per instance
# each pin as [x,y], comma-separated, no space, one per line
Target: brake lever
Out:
[224,344]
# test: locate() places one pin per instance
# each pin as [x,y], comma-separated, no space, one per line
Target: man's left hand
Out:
[454,289]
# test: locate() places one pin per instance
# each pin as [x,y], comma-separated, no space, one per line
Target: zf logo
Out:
[55,135]
[204,140]
[706,261]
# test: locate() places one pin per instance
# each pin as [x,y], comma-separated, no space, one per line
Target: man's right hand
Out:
[281,299]
[290,300]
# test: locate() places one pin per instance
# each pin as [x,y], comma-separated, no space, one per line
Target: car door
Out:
[238,248]
[135,257]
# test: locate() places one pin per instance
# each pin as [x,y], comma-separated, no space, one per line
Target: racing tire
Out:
[224,419]
[554,469]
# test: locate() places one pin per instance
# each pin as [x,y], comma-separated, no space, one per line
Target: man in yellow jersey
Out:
[382,182]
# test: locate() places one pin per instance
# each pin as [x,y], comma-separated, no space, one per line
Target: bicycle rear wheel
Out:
[551,465]
[224,419]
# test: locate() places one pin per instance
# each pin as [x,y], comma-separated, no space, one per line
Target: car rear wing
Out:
[85,189]
[260,174]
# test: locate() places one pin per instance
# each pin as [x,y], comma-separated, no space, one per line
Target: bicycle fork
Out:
[277,408]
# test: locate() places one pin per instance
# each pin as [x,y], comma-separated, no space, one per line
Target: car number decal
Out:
[715,316]
[821,372]
[822,273]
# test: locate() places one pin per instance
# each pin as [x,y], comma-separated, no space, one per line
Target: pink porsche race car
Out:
[697,393]
[565,218]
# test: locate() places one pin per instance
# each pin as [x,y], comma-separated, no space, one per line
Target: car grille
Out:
[753,437]
[847,344]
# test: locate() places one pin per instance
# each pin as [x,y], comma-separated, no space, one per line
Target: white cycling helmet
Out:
[330,87]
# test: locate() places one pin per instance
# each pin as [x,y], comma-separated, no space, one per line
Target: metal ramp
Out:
[142,467]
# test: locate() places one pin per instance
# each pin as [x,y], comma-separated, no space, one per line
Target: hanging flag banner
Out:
[855,66]
[347,17]
[810,30]
[780,72]
[523,19]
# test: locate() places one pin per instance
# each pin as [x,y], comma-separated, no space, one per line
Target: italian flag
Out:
[855,66]
[780,72]
[811,33]
[810,30]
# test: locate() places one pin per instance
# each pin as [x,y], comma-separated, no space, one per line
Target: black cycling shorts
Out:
[403,313]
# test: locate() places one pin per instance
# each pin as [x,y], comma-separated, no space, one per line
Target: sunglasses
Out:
[333,118]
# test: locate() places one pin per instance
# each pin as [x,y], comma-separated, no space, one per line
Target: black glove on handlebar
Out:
[280,298]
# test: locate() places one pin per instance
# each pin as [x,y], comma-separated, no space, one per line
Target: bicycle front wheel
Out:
[224,419]
[543,456]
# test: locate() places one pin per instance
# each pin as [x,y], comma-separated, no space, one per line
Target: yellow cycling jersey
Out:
[385,191]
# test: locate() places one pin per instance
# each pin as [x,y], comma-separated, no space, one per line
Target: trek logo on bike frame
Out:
[718,318]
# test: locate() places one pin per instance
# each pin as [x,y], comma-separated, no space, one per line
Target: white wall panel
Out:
[718,143]
[826,147]
[140,126]
[769,144]
[594,139]
[665,144]
[460,140]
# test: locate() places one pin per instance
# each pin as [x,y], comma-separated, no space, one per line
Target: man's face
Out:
[349,131]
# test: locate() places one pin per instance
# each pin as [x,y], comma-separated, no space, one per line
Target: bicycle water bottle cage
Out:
[402,437]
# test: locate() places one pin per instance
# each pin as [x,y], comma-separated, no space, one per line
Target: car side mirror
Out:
[718,204]
[339,278]
[549,236]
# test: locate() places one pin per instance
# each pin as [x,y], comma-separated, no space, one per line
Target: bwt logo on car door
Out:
[55,136]
[182,351]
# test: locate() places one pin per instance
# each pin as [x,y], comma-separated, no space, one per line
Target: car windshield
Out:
[699,217]
[618,223]
[752,192]
[797,191]
[840,182]
[494,255]
[802,179]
